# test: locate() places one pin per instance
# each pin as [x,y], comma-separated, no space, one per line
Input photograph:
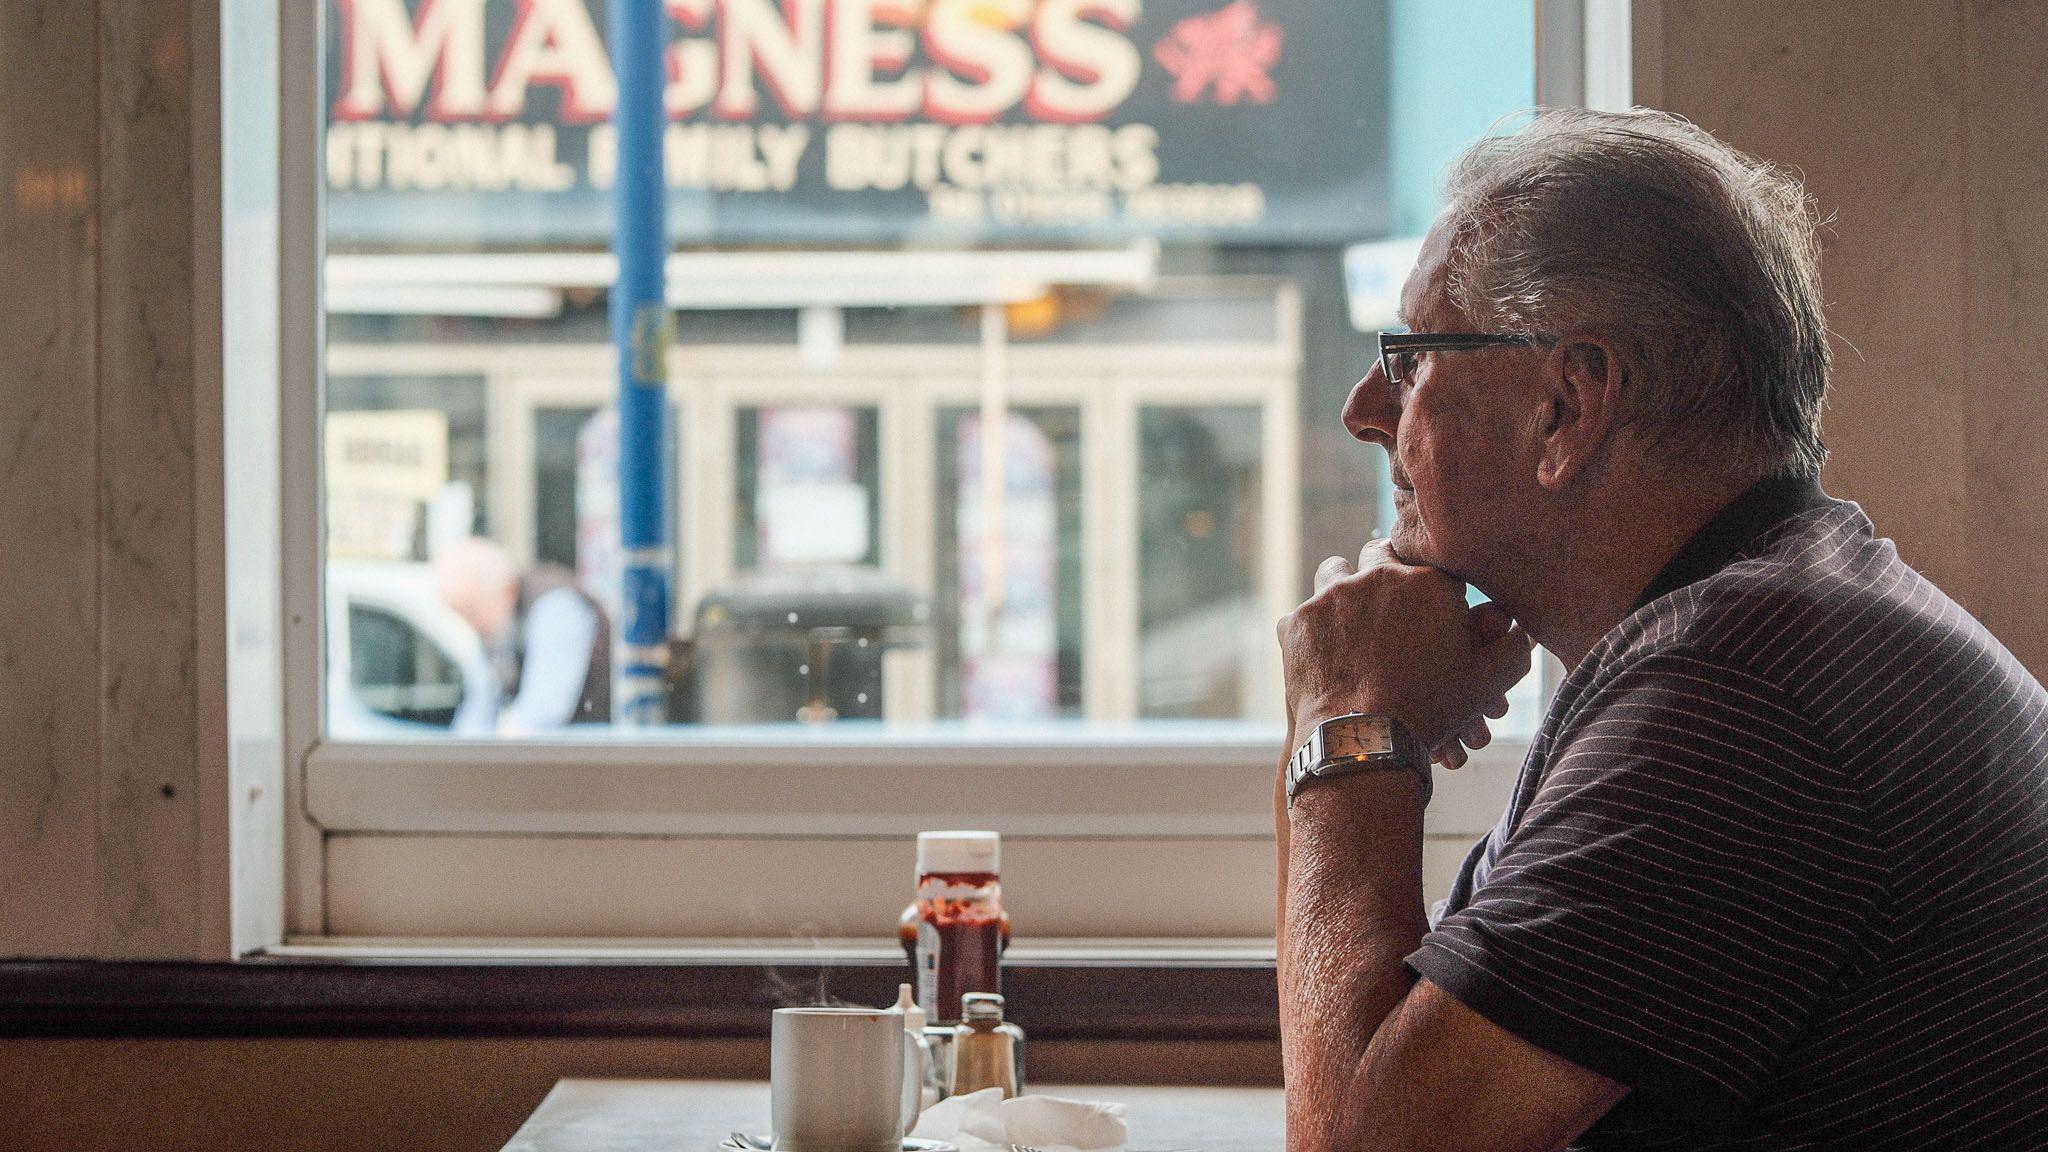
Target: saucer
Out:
[910,1144]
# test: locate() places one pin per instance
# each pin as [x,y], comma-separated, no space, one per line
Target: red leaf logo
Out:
[1230,52]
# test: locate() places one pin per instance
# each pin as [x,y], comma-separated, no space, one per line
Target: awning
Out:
[531,283]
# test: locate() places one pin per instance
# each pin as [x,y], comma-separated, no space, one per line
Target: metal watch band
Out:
[1314,759]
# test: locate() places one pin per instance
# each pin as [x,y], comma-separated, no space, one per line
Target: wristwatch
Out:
[1357,742]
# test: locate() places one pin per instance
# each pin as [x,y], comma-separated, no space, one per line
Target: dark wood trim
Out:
[697,1001]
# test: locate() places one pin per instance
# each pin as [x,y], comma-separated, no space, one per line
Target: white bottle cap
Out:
[958,852]
[913,1016]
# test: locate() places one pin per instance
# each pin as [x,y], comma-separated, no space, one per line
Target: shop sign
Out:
[382,470]
[864,121]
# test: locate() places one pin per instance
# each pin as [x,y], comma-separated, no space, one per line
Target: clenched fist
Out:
[1399,639]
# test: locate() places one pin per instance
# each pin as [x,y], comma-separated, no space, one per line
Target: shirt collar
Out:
[1765,504]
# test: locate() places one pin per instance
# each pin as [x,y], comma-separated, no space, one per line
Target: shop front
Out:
[893,228]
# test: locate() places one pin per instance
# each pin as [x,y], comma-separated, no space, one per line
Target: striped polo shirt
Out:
[1778,857]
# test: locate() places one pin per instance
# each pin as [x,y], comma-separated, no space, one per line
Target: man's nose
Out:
[1371,412]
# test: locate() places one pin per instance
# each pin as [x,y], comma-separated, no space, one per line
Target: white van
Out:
[400,662]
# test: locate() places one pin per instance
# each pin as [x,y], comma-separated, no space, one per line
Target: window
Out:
[397,672]
[1006,344]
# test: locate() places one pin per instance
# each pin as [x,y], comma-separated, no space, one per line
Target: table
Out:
[694,1115]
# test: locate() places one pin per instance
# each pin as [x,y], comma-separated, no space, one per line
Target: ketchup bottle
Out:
[955,931]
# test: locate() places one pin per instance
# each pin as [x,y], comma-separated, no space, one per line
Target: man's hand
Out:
[1398,639]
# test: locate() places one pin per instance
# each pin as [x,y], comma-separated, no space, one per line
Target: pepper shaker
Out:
[986,1048]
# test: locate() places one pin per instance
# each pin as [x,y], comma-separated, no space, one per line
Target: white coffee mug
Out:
[842,1079]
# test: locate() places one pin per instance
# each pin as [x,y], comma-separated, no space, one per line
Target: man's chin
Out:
[1413,546]
[1410,544]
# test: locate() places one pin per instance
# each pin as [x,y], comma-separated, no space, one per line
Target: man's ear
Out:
[1586,377]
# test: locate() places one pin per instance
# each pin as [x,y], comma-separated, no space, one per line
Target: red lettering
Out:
[985,66]
[389,59]
[864,37]
[1063,61]
[553,42]
[1091,68]
[692,63]
[787,43]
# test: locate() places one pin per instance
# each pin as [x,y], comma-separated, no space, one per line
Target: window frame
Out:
[1156,785]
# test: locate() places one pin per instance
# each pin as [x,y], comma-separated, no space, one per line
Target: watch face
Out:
[1365,736]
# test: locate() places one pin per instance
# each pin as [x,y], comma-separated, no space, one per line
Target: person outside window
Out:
[547,638]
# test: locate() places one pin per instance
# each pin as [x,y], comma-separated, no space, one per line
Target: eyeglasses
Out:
[1399,349]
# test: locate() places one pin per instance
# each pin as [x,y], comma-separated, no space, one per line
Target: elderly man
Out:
[1775,872]
[549,641]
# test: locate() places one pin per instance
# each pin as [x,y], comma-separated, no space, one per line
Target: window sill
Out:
[1082,990]
[829,952]
[1204,786]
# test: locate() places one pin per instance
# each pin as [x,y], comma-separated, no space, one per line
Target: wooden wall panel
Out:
[99,693]
[49,511]
[148,786]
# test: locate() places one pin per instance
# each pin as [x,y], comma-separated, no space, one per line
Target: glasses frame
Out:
[1397,343]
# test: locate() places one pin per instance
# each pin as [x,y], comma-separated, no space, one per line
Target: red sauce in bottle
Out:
[954,934]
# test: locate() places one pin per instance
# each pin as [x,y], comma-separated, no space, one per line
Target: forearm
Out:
[1352,912]
[1282,838]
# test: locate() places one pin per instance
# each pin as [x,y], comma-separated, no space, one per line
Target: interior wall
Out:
[1918,128]
[49,620]
[106,775]
[2004,350]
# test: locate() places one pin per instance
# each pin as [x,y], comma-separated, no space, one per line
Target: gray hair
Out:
[1702,264]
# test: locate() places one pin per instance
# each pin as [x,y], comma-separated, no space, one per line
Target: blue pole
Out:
[641,330]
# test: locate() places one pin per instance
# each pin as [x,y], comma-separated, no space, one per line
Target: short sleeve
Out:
[1686,884]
